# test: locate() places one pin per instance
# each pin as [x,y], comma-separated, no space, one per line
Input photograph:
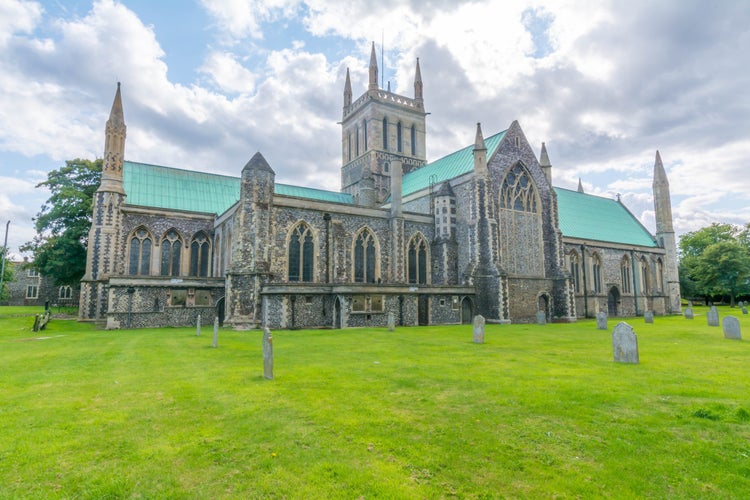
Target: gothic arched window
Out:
[417,260]
[385,133]
[140,253]
[199,255]
[301,252]
[625,272]
[575,271]
[364,134]
[170,254]
[365,257]
[660,274]
[520,223]
[645,276]
[413,140]
[399,137]
[596,270]
[356,144]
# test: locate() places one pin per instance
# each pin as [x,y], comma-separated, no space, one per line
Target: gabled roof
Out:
[176,189]
[590,217]
[448,167]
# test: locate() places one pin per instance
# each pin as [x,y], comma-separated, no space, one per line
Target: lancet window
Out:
[417,260]
[199,255]
[170,253]
[365,257]
[301,253]
[140,253]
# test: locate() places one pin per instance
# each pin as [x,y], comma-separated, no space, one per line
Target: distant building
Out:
[29,288]
[479,231]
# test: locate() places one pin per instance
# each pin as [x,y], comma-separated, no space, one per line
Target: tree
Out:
[7,274]
[715,260]
[62,225]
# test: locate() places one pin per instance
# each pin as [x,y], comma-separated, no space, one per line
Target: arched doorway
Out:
[543,305]
[613,298]
[337,313]
[220,311]
[467,311]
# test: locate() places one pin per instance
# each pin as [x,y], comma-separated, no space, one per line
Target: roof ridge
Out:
[200,172]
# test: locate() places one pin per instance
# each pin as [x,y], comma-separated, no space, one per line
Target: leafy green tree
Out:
[62,225]
[7,275]
[724,268]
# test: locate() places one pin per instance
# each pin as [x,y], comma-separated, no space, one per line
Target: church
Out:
[481,231]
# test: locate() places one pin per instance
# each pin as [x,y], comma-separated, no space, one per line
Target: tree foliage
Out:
[715,260]
[7,274]
[62,225]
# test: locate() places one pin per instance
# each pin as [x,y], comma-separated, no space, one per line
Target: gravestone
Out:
[601,321]
[216,332]
[625,344]
[267,354]
[198,326]
[391,321]
[478,329]
[541,318]
[688,312]
[731,328]
[740,304]
[648,316]
[744,310]
[713,316]
[690,303]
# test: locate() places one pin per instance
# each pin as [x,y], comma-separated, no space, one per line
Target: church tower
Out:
[665,235]
[378,128]
[105,239]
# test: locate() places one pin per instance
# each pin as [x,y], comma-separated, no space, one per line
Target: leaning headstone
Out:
[391,321]
[267,354]
[198,326]
[625,344]
[541,318]
[731,328]
[648,316]
[713,316]
[216,332]
[601,321]
[744,310]
[689,312]
[478,329]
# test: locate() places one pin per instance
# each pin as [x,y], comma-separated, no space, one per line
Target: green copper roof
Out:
[448,167]
[591,217]
[171,188]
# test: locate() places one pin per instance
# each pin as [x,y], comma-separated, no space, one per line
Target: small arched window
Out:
[199,255]
[66,292]
[413,140]
[301,252]
[625,273]
[660,275]
[364,135]
[365,263]
[417,260]
[575,271]
[645,276]
[356,144]
[140,253]
[596,271]
[385,133]
[170,254]
[399,138]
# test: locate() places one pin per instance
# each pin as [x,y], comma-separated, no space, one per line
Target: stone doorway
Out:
[467,311]
[220,311]
[337,314]
[612,300]
[543,305]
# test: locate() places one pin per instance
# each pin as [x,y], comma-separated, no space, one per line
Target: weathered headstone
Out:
[391,321]
[198,326]
[625,344]
[744,310]
[478,329]
[267,354]
[648,316]
[689,313]
[740,304]
[216,332]
[541,318]
[731,328]
[601,321]
[713,316]
[690,303]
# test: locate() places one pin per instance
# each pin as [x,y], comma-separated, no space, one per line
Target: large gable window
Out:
[520,224]
[199,255]
[417,260]
[140,253]
[170,254]
[301,251]
[365,257]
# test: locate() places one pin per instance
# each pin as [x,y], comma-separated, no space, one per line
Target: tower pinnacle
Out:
[347,90]
[480,153]
[114,148]
[418,83]
[373,69]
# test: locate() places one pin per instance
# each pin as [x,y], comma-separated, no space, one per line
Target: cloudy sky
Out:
[207,83]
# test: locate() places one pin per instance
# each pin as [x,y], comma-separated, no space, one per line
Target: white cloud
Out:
[244,18]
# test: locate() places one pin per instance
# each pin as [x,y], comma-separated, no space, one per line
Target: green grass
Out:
[417,413]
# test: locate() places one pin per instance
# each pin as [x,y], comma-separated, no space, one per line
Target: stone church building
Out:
[479,231]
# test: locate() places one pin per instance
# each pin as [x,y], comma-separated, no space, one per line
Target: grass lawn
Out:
[536,411]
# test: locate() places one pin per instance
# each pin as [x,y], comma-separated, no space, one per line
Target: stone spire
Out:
[347,90]
[580,186]
[114,148]
[480,153]
[545,164]
[662,202]
[373,69]
[418,84]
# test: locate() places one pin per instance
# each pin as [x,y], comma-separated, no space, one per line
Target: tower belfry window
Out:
[364,135]
[413,140]
[385,133]
[399,138]
[356,143]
